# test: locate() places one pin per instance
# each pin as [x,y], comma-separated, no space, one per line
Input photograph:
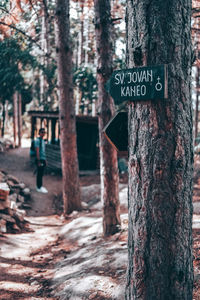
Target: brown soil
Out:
[31,269]
[17,163]
[28,261]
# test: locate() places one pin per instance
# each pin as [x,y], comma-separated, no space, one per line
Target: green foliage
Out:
[14,60]
[119,63]
[50,75]
[85,79]
[4,3]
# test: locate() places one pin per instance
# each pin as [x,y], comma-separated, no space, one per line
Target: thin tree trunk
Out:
[19,120]
[15,118]
[108,155]
[87,30]
[42,61]
[197,103]
[4,116]
[160,156]
[70,171]
[82,34]
[33,127]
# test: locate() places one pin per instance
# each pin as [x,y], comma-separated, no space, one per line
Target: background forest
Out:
[28,55]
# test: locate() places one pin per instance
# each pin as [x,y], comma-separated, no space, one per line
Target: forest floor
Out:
[59,258]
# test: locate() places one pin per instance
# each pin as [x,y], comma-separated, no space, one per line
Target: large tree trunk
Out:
[160,156]
[108,155]
[70,171]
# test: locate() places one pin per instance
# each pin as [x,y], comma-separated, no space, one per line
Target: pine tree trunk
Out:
[15,117]
[70,171]
[42,62]
[197,104]
[4,117]
[6,114]
[82,34]
[160,156]
[108,155]
[19,120]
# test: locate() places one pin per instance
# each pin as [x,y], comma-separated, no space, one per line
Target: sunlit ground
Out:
[22,263]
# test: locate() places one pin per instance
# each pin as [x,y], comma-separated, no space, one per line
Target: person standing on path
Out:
[40,160]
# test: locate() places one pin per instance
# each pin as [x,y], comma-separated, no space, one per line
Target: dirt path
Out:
[57,258]
[28,260]
[17,163]
[61,259]
[69,259]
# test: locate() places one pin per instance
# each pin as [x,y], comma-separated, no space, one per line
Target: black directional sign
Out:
[144,83]
[116,131]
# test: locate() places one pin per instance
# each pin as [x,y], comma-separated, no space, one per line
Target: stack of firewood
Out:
[14,197]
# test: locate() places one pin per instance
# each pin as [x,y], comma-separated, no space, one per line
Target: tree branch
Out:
[116,19]
[2,8]
[29,38]
[195,10]
[195,29]
[22,32]
[32,6]
[7,11]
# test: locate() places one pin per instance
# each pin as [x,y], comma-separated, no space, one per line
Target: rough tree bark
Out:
[160,156]
[70,170]
[108,155]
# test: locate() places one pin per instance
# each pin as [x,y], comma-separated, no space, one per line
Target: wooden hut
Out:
[87,138]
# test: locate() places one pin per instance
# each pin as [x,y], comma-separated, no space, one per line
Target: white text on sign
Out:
[134,77]
[130,91]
